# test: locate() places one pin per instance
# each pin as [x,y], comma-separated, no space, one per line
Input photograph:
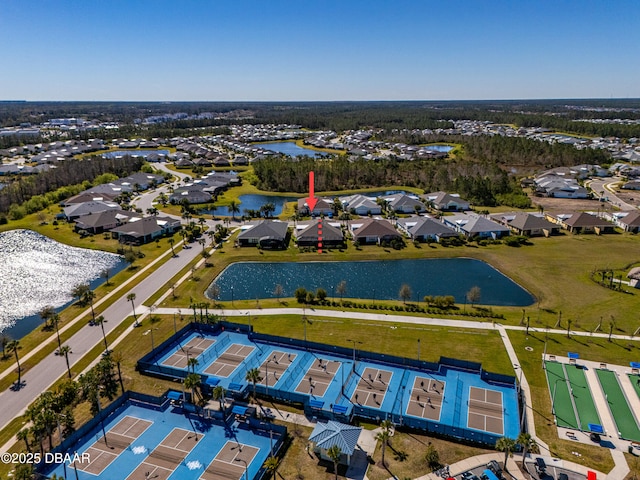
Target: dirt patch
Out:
[568,205]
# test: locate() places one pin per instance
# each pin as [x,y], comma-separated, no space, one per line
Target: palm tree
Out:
[383,435]
[171,242]
[130,298]
[218,394]
[105,274]
[233,208]
[66,350]
[527,442]
[253,376]
[117,358]
[100,321]
[202,242]
[506,445]
[341,289]
[278,291]
[23,435]
[46,313]
[89,296]
[12,347]
[55,320]
[334,453]
[192,363]
[4,341]
[271,465]
[193,382]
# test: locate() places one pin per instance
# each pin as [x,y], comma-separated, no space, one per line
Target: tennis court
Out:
[620,410]
[230,462]
[372,387]
[192,349]
[167,456]
[226,363]
[426,398]
[275,366]
[318,377]
[485,410]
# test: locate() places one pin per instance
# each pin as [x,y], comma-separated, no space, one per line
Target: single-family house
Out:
[139,231]
[320,233]
[629,221]
[634,277]
[75,211]
[582,222]
[192,194]
[527,223]
[403,203]
[473,225]
[104,221]
[88,196]
[360,205]
[372,231]
[268,234]
[424,229]
[332,433]
[324,206]
[446,202]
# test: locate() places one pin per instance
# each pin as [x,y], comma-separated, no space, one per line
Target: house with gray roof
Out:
[324,206]
[75,211]
[527,223]
[403,203]
[139,231]
[373,231]
[446,202]
[267,234]
[319,233]
[361,205]
[473,225]
[192,194]
[96,223]
[424,229]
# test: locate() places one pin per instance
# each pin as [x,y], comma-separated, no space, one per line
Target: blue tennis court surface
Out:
[144,441]
[452,397]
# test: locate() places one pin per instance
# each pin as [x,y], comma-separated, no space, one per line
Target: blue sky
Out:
[279,50]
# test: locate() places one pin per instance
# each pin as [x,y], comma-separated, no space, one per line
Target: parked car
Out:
[594,437]
[541,467]
[495,468]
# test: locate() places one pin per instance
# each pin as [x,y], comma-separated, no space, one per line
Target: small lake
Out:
[291,149]
[254,202]
[379,280]
[134,153]
[438,148]
[38,271]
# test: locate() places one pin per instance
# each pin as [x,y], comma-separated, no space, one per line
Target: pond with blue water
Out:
[372,280]
[291,149]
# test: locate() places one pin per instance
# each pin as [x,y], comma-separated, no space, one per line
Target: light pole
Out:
[150,331]
[246,467]
[418,349]
[353,367]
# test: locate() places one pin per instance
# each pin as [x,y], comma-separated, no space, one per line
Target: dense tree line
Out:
[479,182]
[507,151]
[67,172]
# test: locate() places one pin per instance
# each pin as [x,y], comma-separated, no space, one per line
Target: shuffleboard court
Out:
[622,414]
[425,400]
[579,388]
[372,387]
[119,438]
[230,462]
[318,377]
[167,456]
[226,363]
[486,411]
[634,378]
[274,366]
[561,403]
[192,349]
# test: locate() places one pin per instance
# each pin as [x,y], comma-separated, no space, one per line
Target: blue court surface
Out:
[451,397]
[147,441]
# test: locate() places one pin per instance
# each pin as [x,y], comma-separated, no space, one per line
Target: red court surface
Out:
[372,387]
[119,438]
[425,400]
[226,363]
[231,462]
[486,410]
[192,349]
[318,377]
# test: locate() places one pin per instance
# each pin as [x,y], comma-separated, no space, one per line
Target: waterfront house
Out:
[139,231]
[473,225]
[581,222]
[446,202]
[310,234]
[424,229]
[403,203]
[324,206]
[372,231]
[75,211]
[268,234]
[96,223]
[527,223]
[360,205]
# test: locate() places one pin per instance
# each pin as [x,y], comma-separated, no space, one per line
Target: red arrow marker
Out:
[312,200]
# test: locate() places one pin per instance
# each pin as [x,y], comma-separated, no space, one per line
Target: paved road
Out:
[604,187]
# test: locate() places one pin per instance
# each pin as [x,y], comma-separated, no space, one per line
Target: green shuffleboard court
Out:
[622,414]
[635,381]
[587,411]
[560,396]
